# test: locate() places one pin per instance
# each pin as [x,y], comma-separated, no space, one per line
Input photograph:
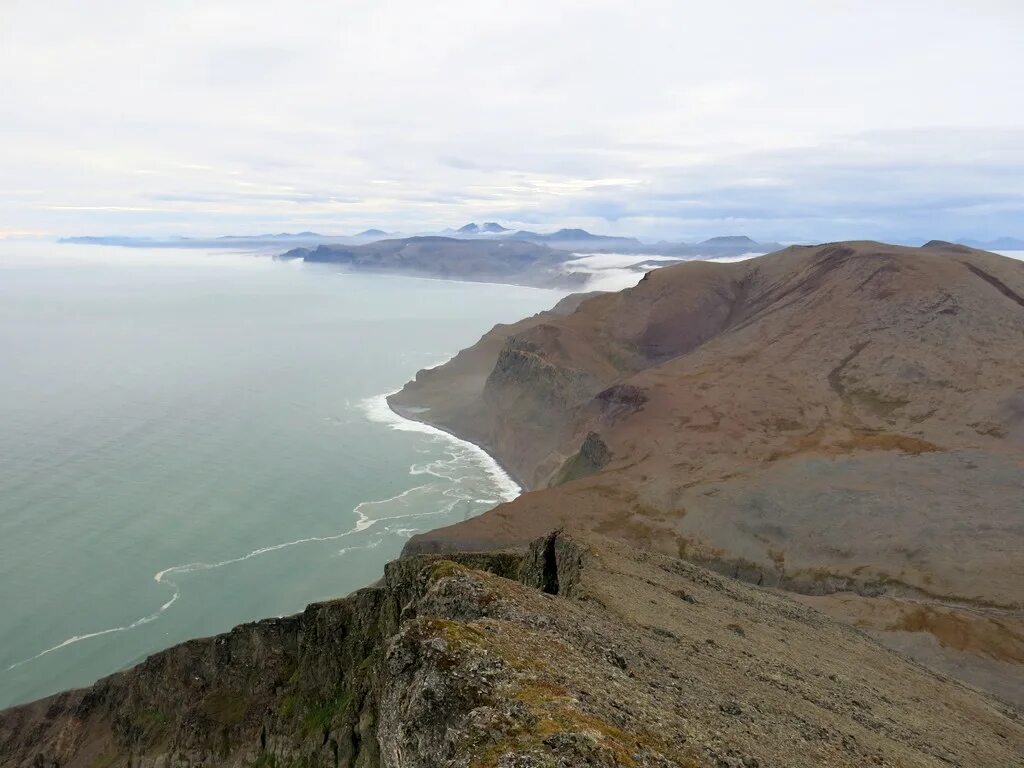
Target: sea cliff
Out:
[578,651]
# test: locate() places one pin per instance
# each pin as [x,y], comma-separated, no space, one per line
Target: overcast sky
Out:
[820,119]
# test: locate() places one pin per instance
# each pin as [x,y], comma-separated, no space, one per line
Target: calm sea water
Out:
[191,440]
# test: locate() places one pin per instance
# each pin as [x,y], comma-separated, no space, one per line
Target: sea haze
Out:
[193,440]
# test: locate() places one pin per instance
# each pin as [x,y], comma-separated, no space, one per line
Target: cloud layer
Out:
[661,118]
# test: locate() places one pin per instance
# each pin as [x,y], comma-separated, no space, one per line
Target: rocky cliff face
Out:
[842,420]
[301,690]
[582,652]
[462,394]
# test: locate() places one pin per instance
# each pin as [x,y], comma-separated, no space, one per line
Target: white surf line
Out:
[362,524]
[79,638]
[355,548]
[377,409]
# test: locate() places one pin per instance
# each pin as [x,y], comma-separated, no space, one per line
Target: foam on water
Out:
[377,409]
[161,577]
[458,453]
[363,523]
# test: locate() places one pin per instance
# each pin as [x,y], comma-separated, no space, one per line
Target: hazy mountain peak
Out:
[729,240]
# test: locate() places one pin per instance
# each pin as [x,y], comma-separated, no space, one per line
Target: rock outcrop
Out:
[841,420]
[580,652]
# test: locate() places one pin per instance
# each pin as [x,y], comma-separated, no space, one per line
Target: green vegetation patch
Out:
[554,716]
[107,759]
[443,569]
[320,718]
[288,705]
[152,720]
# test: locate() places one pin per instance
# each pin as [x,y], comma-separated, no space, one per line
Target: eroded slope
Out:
[846,417]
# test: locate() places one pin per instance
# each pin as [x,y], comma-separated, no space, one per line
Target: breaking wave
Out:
[459,452]
[464,476]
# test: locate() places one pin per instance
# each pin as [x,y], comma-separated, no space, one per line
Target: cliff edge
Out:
[580,652]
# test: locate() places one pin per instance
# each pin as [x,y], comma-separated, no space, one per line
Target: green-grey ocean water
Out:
[191,440]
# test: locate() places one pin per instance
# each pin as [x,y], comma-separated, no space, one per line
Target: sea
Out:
[191,440]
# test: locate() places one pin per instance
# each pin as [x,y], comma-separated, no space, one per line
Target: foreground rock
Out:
[592,654]
[844,419]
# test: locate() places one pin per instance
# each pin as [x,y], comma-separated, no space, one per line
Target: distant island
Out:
[562,239]
[486,252]
[541,260]
[517,262]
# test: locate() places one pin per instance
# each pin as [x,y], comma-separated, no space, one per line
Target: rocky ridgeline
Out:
[580,652]
[845,421]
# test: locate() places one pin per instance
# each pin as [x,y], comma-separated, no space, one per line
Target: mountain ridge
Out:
[578,651]
[833,420]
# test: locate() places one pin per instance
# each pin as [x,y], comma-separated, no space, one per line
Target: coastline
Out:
[411,416]
[565,283]
[455,479]
[378,408]
[425,542]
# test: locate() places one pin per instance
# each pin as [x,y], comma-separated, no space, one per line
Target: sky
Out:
[783,120]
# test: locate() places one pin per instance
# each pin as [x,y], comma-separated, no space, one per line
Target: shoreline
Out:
[519,482]
[339,269]
[376,409]
[379,409]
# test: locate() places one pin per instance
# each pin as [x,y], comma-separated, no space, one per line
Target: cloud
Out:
[656,117]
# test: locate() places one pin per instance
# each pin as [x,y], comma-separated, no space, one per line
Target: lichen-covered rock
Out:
[595,655]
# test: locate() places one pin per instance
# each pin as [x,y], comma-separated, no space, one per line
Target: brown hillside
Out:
[838,418]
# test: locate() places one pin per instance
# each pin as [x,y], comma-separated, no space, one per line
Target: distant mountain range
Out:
[573,240]
[483,253]
[489,227]
[582,240]
[515,262]
[561,240]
